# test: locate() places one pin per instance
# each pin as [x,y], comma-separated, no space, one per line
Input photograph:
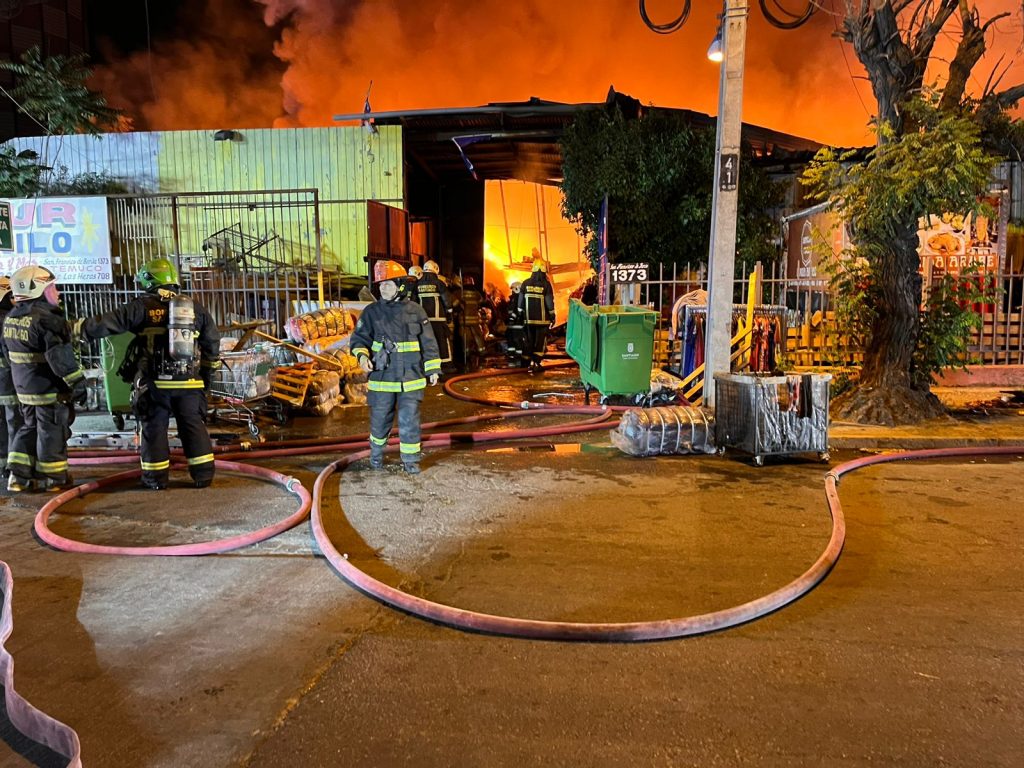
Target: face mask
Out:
[388,290]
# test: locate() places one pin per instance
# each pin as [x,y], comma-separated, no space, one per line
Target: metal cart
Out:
[241,387]
[767,415]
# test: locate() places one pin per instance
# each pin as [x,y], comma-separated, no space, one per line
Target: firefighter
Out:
[514,326]
[170,363]
[415,275]
[395,345]
[537,308]
[47,379]
[432,295]
[10,412]
[472,332]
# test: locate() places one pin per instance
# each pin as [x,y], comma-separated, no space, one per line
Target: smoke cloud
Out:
[307,60]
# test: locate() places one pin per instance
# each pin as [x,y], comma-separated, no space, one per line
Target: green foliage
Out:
[20,172]
[948,322]
[941,166]
[52,91]
[62,183]
[657,172]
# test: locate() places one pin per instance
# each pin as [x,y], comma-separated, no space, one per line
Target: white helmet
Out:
[30,282]
[431,266]
[515,285]
[416,272]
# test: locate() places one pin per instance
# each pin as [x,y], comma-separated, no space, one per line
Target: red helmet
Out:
[387,270]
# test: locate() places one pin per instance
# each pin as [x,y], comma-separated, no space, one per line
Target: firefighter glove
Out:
[432,379]
[365,363]
[80,392]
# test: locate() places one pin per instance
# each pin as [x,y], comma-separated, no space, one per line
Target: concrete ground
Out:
[909,653]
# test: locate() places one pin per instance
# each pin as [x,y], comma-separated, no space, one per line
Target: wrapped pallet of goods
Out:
[324,393]
[323,323]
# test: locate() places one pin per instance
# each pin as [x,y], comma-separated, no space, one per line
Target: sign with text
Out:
[729,172]
[629,273]
[6,236]
[810,240]
[952,242]
[70,236]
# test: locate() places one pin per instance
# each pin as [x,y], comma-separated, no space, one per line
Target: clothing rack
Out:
[692,330]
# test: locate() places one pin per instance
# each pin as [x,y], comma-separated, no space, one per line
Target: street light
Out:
[715,52]
[725,193]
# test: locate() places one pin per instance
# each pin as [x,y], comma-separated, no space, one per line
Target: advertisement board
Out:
[810,239]
[951,242]
[70,236]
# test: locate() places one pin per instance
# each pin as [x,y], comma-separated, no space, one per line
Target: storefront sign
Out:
[629,273]
[70,236]
[6,236]
[952,242]
[811,240]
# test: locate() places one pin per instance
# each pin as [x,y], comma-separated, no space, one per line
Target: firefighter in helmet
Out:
[472,330]
[170,363]
[537,309]
[395,345]
[432,295]
[48,379]
[514,334]
[10,411]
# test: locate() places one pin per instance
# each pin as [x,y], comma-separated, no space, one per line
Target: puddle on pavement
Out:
[564,449]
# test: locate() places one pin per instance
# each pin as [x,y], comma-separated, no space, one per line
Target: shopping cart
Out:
[241,391]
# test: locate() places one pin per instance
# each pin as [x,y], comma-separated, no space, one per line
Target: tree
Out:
[657,171]
[53,92]
[921,159]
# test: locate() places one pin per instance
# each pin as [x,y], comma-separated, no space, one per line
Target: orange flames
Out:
[435,53]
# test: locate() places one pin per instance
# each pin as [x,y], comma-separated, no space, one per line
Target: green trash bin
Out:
[614,347]
[118,392]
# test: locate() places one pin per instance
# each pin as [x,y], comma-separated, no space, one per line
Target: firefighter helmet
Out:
[539,265]
[416,272]
[515,285]
[387,270]
[5,286]
[431,266]
[30,282]
[156,273]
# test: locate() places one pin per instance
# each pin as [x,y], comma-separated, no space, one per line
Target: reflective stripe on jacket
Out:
[403,329]
[537,300]
[37,346]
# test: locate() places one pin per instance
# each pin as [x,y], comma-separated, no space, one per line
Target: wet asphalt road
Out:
[910,652]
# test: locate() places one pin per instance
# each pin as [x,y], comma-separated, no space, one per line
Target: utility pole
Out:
[725,196]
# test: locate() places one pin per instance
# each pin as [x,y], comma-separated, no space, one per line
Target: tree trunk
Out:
[886,393]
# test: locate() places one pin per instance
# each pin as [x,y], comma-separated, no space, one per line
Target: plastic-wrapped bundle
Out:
[334,321]
[671,429]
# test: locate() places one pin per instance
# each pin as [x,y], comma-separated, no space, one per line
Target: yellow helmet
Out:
[539,265]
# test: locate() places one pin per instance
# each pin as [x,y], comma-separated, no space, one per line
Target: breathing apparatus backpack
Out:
[173,357]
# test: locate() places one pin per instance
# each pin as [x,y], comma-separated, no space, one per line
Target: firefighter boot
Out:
[411,467]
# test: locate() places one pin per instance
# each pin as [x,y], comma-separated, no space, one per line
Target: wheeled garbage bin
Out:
[117,391]
[614,347]
[767,415]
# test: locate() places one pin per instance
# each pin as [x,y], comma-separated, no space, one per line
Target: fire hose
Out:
[49,732]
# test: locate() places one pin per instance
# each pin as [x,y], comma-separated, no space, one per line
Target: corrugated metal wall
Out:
[348,165]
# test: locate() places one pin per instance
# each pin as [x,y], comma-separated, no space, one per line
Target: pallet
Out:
[290,384]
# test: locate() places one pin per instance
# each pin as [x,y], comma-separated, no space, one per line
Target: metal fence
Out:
[813,337]
[253,255]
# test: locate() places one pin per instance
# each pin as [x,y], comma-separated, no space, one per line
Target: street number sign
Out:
[729,173]
[629,273]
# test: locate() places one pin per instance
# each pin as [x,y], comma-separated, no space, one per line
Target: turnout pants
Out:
[10,423]
[39,449]
[536,343]
[514,338]
[383,406]
[188,406]
[443,336]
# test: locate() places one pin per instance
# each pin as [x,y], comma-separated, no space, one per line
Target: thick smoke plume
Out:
[449,53]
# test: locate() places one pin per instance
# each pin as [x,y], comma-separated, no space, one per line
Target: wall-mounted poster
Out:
[951,242]
[70,236]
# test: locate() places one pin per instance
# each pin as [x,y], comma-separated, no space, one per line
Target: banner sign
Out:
[952,242]
[629,273]
[809,240]
[70,236]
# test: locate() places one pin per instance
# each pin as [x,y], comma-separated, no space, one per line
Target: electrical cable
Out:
[795,20]
[668,27]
